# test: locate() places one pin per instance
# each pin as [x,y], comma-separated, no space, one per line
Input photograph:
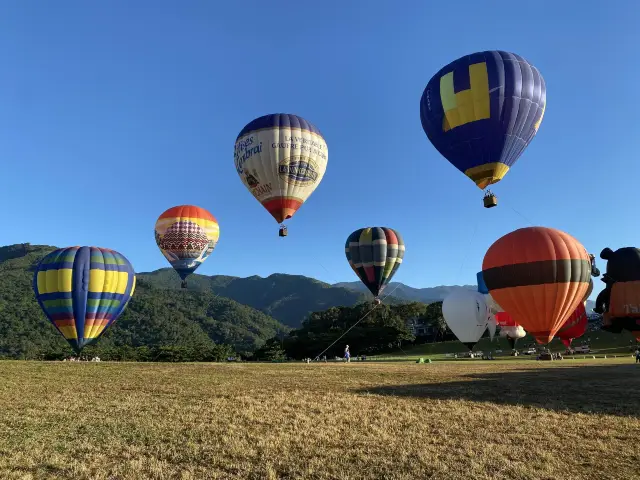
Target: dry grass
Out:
[481,420]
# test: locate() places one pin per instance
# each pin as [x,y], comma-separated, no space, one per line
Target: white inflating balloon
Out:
[512,332]
[466,314]
[492,305]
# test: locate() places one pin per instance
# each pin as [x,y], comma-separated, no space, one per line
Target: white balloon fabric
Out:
[492,305]
[513,332]
[466,314]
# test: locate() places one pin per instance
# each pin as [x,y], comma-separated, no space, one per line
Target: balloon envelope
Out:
[186,236]
[466,314]
[482,110]
[482,287]
[492,304]
[514,332]
[281,159]
[83,290]
[539,275]
[574,327]
[504,320]
[375,254]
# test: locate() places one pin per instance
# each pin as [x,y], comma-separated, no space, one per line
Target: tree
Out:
[271,351]
[435,320]
[367,330]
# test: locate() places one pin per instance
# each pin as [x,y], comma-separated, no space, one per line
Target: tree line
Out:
[366,328]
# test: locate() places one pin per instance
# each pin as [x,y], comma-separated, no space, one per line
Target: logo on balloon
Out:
[298,170]
[465,105]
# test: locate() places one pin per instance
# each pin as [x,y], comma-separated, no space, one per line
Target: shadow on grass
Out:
[609,389]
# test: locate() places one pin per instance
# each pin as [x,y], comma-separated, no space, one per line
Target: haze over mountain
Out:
[424,295]
[405,292]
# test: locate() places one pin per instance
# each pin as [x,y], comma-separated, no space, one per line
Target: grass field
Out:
[570,419]
[601,342]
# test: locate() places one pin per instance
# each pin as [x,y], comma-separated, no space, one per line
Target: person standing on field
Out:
[347,355]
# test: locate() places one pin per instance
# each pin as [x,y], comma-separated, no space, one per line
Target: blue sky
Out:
[111,112]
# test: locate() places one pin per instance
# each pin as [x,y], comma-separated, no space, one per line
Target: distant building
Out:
[418,327]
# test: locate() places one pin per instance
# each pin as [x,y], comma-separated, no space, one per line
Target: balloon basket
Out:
[490,201]
[283,231]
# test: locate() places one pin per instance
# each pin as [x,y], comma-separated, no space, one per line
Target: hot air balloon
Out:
[491,305]
[281,159]
[481,111]
[509,328]
[83,290]
[513,334]
[466,314]
[539,275]
[375,254]
[186,236]
[574,327]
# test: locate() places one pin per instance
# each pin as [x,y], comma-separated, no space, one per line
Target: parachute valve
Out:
[490,200]
[283,231]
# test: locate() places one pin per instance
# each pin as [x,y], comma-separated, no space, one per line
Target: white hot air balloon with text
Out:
[281,159]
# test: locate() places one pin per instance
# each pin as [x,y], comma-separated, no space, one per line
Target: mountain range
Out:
[242,312]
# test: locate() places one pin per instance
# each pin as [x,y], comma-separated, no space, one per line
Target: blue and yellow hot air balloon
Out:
[375,254]
[83,290]
[481,111]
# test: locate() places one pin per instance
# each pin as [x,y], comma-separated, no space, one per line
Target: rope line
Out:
[352,326]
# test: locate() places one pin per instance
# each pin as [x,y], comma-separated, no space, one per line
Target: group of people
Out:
[81,359]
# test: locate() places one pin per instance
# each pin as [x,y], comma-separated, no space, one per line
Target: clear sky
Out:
[112,112]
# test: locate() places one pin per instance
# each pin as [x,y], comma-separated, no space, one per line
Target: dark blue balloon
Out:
[482,287]
[482,110]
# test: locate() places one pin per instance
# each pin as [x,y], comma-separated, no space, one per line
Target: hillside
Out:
[424,295]
[287,298]
[154,317]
